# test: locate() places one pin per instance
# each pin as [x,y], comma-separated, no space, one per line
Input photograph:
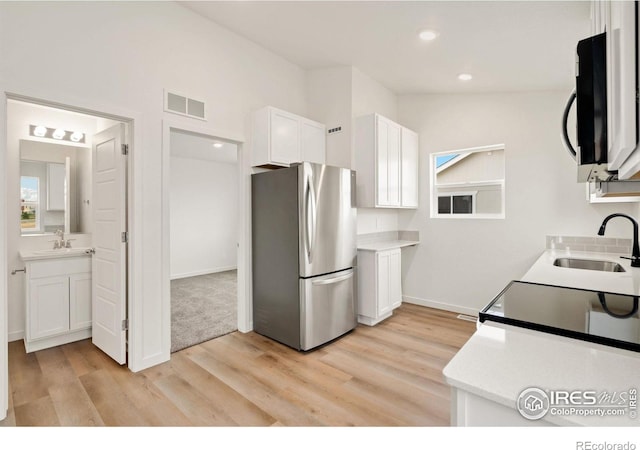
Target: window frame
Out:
[464,186]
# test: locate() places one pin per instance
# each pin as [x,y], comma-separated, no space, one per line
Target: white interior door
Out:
[109,261]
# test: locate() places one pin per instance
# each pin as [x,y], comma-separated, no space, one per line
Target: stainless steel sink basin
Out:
[589,264]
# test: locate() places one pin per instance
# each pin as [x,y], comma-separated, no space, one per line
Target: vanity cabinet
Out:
[58,301]
[281,138]
[379,284]
[386,163]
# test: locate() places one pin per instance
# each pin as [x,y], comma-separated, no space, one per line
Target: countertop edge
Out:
[385,245]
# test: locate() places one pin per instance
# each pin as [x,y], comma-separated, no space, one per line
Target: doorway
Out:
[67,181]
[204,227]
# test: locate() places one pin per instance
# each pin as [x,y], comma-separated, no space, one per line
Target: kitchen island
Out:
[583,383]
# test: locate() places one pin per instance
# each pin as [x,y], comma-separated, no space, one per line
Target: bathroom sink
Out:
[60,252]
[589,264]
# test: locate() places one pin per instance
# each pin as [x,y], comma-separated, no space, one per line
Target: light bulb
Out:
[59,133]
[40,131]
[465,77]
[76,136]
[218,145]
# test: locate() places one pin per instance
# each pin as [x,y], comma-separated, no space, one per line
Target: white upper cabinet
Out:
[386,163]
[281,138]
[409,169]
[621,82]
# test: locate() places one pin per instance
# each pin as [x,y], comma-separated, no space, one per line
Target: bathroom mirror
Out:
[55,188]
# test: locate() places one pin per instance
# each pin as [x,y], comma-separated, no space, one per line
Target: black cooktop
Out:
[600,317]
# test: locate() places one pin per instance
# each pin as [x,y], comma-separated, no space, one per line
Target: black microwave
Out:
[591,109]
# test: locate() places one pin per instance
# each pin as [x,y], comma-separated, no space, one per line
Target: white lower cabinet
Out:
[58,302]
[470,410]
[379,285]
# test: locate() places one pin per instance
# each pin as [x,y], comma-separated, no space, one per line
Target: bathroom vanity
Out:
[58,297]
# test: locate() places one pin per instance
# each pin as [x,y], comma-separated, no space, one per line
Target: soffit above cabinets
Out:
[506,45]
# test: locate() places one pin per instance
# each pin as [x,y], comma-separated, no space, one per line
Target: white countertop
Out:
[500,361]
[31,255]
[385,245]
[543,271]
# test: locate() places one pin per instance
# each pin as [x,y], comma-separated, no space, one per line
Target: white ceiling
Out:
[506,45]
[195,146]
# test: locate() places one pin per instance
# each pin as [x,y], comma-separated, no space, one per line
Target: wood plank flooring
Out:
[387,375]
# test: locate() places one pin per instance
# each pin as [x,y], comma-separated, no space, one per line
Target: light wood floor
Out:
[387,375]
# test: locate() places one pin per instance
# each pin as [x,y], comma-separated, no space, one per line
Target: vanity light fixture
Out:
[465,77]
[218,144]
[428,35]
[40,131]
[76,136]
[59,134]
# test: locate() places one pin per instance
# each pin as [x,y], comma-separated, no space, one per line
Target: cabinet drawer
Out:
[56,267]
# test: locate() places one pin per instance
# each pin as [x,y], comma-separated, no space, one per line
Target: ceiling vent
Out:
[183,105]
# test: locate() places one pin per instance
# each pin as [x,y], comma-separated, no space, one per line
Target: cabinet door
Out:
[621,82]
[395,274]
[409,153]
[48,308]
[79,301]
[383,282]
[285,137]
[388,163]
[56,187]
[312,141]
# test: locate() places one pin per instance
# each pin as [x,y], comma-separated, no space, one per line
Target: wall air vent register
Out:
[183,105]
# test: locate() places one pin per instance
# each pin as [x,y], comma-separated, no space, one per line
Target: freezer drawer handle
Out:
[333,280]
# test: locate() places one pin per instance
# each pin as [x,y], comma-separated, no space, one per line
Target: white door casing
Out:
[108,281]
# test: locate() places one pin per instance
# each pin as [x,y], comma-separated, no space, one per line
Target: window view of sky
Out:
[443,159]
[29,189]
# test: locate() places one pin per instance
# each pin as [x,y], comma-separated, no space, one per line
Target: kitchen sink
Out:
[589,264]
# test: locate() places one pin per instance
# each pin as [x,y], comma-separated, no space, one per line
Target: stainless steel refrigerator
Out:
[304,254]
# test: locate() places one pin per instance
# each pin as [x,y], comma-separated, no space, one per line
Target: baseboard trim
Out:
[15,336]
[202,272]
[440,305]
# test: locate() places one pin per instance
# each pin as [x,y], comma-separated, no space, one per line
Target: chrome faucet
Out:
[61,242]
[635,253]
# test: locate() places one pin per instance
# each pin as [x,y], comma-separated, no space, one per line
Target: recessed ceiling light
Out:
[464,77]
[218,144]
[428,35]
[59,133]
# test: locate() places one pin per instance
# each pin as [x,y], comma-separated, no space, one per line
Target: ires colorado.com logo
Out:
[534,403]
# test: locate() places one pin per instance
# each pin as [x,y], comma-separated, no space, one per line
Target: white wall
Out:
[462,264]
[130,52]
[329,102]
[204,216]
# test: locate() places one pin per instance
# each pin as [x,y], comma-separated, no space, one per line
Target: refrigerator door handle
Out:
[333,280]
[310,217]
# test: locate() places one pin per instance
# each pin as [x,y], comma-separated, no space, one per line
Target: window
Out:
[30,204]
[457,203]
[468,183]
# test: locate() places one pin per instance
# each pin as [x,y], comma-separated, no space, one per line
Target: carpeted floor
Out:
[203,308]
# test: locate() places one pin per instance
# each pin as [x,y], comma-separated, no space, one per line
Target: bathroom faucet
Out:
[635,254]
[61,243]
